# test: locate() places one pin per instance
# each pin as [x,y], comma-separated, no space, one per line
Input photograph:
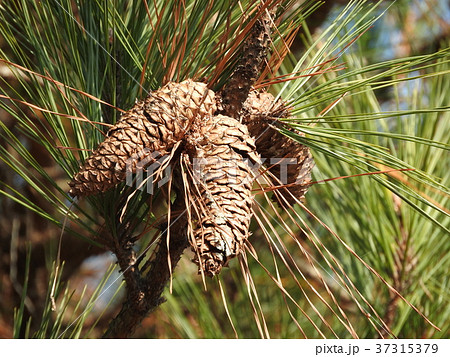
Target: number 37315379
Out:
[406,348]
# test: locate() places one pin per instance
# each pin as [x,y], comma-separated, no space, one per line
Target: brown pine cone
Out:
[152,126]
[260,113]
[222,158]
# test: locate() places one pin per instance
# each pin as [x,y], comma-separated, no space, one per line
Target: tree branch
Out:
[144,289]
[248,69]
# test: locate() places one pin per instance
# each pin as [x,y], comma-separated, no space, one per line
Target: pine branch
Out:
[248,69]
[144,289]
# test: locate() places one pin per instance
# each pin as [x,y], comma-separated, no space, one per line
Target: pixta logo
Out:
[146,168]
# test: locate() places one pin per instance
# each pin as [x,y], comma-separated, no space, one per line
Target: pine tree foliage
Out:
[365,251]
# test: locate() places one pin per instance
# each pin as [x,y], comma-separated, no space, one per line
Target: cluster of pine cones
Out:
[224,153]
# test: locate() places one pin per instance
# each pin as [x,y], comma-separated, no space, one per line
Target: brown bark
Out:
[249,66]
[145,288]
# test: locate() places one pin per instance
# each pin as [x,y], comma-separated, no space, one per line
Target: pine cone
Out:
[222,157]
[152,126]
[260,113]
